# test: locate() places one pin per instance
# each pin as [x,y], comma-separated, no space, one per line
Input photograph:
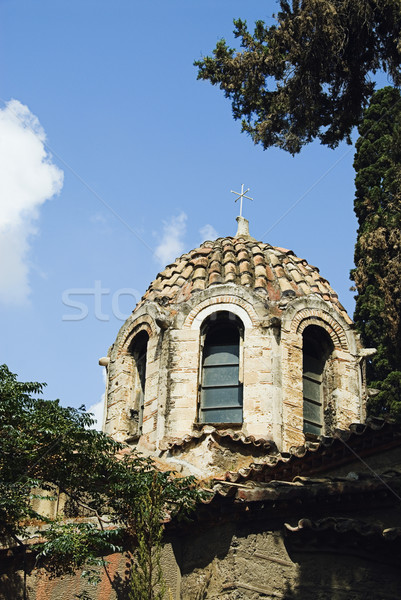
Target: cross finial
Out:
[241,196]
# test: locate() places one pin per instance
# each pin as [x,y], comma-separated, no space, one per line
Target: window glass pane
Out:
[311,428]
[221,397]
[221,354]
[233,415]
[312,412]
[221,394]
[217,375]
[312,375]
[311,390]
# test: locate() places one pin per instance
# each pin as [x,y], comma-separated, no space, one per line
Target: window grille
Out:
[139,354]
[316,351]
[221,389]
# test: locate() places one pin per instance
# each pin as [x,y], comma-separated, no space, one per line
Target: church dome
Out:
[273,273]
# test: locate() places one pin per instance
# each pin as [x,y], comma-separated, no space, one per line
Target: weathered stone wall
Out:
[120,379]
[241,558]
[182,383]
[230,562]
[347,398]
[36,584]
[237,551]
[271,366]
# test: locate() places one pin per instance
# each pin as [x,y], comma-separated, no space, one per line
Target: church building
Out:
[240,366]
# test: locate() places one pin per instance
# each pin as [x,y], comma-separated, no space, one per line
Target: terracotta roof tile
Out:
[199,284]
[246,279]
[215,266]
[275,271]
[215,277]
[314,456]
[296,275]
[284,284]
[306,489]
[274,259]
[234,436]
[245,266]
[343,525]
[180,281]
[260,271]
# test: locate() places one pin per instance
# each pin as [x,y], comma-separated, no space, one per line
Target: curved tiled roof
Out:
[326,452]
[233,436]
[273,272]
[345,525]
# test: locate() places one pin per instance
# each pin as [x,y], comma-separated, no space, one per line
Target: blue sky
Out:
[115,160]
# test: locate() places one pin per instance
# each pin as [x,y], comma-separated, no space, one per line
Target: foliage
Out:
[388,400]
[377,274]
[147,577]
[307,75]
[46,449]
[73,545]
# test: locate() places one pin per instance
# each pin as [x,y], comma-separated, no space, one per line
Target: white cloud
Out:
[98,408]
[208,233]
[172,243]
[98,412]
[27,179]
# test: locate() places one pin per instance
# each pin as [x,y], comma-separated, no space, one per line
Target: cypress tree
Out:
[377,273]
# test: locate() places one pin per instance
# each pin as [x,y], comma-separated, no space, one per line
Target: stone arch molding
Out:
[317,317]
[237,306]
[143,323]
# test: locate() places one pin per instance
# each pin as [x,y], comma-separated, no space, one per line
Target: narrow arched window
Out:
[138,352]
[317,347]
[221,388]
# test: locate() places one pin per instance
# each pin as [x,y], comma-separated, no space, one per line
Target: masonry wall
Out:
[37,584]
[248,554]
[346,399]
[228,561]
[271,369]
[231,562]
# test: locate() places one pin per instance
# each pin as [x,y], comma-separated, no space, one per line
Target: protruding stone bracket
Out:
[163,320]
[366,352]
[272,323]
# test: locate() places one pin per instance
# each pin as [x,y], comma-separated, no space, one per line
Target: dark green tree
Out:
[308,75]
[377,274]
[46,449]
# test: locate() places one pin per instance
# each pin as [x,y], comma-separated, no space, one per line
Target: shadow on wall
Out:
[334,574]
[12,585]
[233,560]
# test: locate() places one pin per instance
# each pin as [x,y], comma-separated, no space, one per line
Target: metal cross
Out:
[241,195]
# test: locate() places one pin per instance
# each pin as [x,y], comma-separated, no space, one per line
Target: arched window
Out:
[317,348]
[221,388]
[138,351]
